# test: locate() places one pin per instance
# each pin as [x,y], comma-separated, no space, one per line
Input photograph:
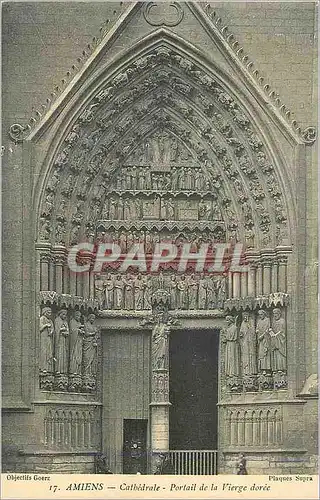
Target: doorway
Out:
[194,389]
[135,446]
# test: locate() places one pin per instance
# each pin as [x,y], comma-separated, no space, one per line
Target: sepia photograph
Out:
[159,245]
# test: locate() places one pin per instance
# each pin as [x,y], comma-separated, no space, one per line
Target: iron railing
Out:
[194,462]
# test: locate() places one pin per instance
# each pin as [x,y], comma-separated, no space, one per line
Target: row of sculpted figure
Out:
[68,350]
[256,350]
[177,179]
[150,238]
[162,208]
[133,292]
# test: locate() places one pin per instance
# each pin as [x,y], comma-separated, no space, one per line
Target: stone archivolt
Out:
[203,132]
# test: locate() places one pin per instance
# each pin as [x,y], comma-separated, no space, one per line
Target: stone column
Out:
[266,277]
[274,277]
[259,279]
[44,270]
[236,284]
[282,274]
[59,259]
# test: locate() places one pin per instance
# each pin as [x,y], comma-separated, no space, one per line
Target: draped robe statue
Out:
[263,334]
[160,347]
[230,338]
[108,292]
[61,328]
[278,342]
[138,292]
[76,337]
[46,341]
[247,337]
[90,343]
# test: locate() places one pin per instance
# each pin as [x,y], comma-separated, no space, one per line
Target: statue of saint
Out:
[264,345]
[147,293]
[90,343]
[202,294]
[108,290]
[182,293]
[61,328]
[170,209]
[139,287]
[210,293]
[46,341]
[128,293]
[160,347]
[112,209]
[193,292]
[278,342]
[247,337]
[118,292]
[76,336]
[230,339]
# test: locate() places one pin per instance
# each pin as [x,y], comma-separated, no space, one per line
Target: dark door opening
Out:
[134,446]
[194,390]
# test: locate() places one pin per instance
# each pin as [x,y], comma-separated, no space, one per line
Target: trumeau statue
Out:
[264,344]
[247,336]
[160,349]
[61,328]
[46,354]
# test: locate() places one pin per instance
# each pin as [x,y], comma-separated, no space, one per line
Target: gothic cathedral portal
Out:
[162,141]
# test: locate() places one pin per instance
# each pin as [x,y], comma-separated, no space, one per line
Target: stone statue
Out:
[118,292]
[230,338]
[139,287]
[112,209]
[170,209]
[182,293]
[210,293]
[76,335]
[126,210]
[173,291]
[202,294]
[90,358]
[108,290]
[264,345]
[193,292]
[61,328]
[160,347]
[147,293]
[48,204]
[46,341]
[278,342]
[128,293]
[247,336]
[221,291]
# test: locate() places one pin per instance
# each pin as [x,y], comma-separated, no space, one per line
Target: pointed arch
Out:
[199,104]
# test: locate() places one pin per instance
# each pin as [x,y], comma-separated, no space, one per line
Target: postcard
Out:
[159,299]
